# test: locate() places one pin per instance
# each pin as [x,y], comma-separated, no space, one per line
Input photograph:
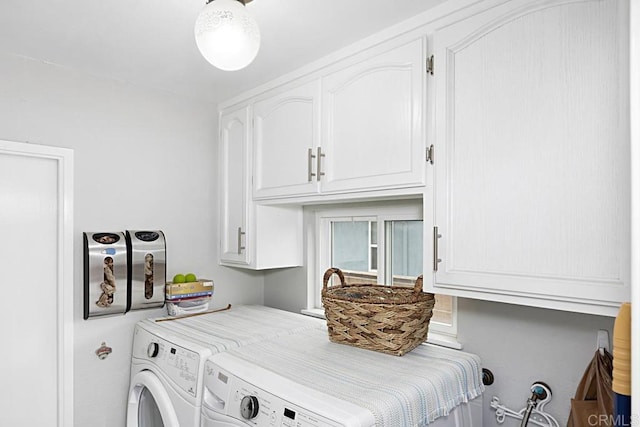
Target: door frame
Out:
[64,280]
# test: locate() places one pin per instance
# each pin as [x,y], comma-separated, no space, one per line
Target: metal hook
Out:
[602,342]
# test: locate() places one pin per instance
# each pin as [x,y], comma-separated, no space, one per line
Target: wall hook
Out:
[602,343]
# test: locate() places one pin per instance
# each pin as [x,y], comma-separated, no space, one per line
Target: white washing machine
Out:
[303,380]
[168,358]
[166,378]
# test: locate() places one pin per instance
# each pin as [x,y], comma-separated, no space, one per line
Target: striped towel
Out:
[238,326]
[412,390]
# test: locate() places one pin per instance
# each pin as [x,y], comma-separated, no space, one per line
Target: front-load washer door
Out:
[149,403]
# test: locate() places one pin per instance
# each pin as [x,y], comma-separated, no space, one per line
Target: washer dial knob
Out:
[153,349]
[249,407]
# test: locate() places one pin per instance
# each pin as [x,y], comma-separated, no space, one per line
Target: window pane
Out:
[374,258]
[374,232]
[406,251]
[350,245]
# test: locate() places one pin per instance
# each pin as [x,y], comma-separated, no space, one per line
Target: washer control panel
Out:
[178,363]
[230,396]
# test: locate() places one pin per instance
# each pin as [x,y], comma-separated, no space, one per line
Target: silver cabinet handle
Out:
[319,165]
[310,158]
[436,260]
[240,234]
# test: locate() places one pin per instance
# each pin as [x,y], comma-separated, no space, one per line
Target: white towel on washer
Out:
[412,390]
[238,326]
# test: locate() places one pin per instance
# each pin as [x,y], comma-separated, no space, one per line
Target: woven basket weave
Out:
[388,319]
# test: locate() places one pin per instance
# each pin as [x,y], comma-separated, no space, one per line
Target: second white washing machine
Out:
[304,380]
[232,400]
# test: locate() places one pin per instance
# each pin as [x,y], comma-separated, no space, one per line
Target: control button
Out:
[273,417]
[249,407]
[153,349]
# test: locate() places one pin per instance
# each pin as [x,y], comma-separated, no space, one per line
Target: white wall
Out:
[520,345]
[143,160]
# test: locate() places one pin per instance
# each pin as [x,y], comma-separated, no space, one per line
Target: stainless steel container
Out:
[105,274]
[147,268]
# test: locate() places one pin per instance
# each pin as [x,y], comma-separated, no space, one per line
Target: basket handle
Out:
[417,288]
[329,273]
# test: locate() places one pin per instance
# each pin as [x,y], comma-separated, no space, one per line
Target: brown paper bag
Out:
[592,405]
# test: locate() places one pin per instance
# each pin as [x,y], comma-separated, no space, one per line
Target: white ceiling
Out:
[151,43]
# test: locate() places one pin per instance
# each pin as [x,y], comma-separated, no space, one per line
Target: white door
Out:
[36,260]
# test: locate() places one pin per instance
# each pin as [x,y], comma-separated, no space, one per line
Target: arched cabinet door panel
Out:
[286,135]
[372,122]
[532,176]
[234,187]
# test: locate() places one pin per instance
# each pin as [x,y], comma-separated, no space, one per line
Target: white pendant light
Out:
[227,35]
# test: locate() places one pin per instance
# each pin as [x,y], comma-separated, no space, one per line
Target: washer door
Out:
[149,404]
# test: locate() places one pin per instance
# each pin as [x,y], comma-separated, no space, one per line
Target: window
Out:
[373,243]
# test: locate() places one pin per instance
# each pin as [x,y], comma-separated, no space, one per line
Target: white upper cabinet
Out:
[251,236]
[532,174]
[359,128]
[286,134]
[372,122]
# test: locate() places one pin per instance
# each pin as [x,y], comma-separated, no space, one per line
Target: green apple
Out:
[190,277]
[179,278]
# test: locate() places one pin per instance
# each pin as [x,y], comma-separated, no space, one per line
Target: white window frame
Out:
[318,237]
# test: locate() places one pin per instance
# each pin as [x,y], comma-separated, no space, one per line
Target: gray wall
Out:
[521,345]
[518,344]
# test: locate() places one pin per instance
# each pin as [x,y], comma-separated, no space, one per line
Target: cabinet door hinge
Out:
[430,154]
[436,259]
[430,65]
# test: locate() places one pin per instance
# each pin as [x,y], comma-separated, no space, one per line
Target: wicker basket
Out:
[389,319]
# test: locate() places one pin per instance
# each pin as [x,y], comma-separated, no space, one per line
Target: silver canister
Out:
[105,274]
[147,268]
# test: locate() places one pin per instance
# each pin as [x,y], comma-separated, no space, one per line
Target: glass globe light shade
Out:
[227,35]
